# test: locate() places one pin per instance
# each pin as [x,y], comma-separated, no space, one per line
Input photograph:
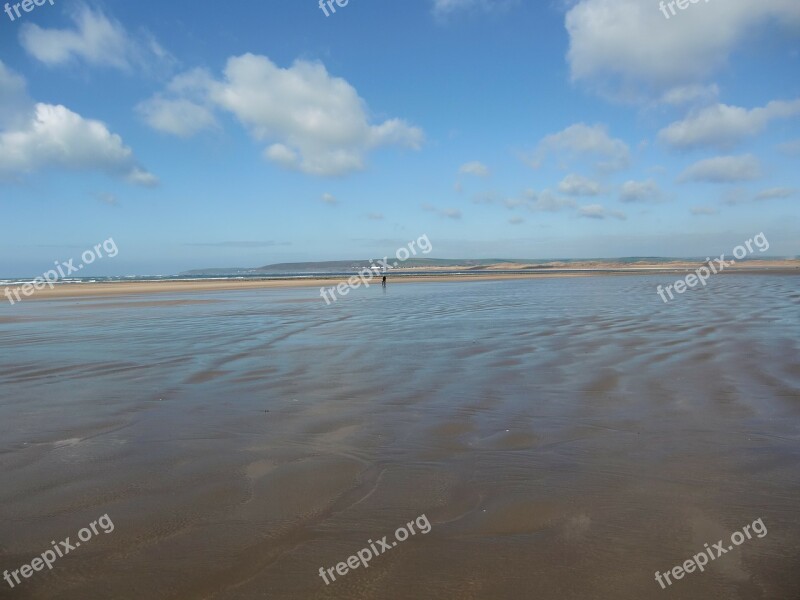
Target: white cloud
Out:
[597,211]
[547,201]
[312,122]
[691,94]
[95,39]
[474,168]
[37,136]
[329,199]
[581,140]
[139,176]
[375,216]
[628,49]
[185,109]
[444,8]
[450,213]
[640,191]
[776,193]
[283,155]
[57,137]
[577,185]
[319,120]
[179,117]
[15,104]
[516,221]
[739,195]
[723,169]
[722,126]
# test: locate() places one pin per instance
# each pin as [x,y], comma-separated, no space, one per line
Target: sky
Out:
[205,135]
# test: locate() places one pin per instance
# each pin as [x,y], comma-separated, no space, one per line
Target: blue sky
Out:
[259,132]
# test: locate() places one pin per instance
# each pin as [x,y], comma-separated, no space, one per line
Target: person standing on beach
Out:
[383,283]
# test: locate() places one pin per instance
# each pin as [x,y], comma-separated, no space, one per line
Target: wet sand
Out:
[222,285]
[566,437]
[426,274]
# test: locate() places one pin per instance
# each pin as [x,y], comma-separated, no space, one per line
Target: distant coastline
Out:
[417,265]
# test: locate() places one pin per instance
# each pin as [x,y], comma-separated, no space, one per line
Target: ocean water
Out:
[283,275]
[566,438]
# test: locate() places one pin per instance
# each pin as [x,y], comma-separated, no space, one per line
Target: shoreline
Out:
[136,288]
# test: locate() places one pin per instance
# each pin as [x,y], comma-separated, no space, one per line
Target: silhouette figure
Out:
[383,283]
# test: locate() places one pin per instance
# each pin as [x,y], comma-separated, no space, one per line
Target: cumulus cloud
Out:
[35,136]
[722,126]
[627,49]
[180,117]
[578,185]
[597,211]
[184,108]
[139,176]
[96,40]
[474,168]
[54,136]
[640,191]
[691,94]
[584,141]
[319,121]
[329,199]
[309,120]
[15,104]
[723,169]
